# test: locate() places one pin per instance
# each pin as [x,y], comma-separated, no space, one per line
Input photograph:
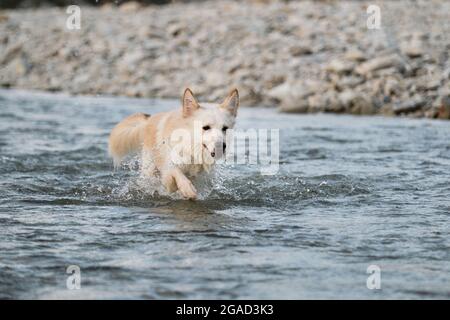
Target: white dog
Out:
[201,129]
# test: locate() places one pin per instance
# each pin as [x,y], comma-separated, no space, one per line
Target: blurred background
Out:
[298,56]
[38,3]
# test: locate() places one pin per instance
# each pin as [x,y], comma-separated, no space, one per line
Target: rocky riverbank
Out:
[300,56]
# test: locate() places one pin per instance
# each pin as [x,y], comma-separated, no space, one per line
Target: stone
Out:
[176,29]
[432,113]
[355,55]
[300,50]
[446,74]
[11,53]
[427,83]
[215,79]
[347,82]
[362,105]
[130,61]
[340,66]
[444,110]
[379,63]
[3,17]
[391,87]
[356,103]
[413,49]
[433,84]
[316,103]
[273,80]
[293,95]
[248,95]
[21,65]
[325,102]
[280,92]
[288,89]
[408,106]
[294,106]
[130,6]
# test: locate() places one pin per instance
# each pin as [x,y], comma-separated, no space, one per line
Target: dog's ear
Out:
[231,103]
[190,104]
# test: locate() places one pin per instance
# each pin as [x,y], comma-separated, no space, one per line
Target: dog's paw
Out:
[187,190]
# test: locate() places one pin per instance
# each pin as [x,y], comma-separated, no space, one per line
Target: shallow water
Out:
[351,192]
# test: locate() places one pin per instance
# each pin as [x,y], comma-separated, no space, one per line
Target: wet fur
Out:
[150,135]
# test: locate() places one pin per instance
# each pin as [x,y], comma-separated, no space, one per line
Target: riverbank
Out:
[300,56]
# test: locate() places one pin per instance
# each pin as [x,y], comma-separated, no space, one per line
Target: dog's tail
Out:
[127,136]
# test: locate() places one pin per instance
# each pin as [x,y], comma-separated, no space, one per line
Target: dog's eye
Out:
[206,128]
[225,128]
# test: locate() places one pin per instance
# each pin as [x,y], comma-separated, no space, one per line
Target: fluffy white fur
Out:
[177,145]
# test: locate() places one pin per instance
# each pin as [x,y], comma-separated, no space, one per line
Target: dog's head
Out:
[213,121]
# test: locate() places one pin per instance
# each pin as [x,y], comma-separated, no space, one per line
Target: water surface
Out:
[351,192]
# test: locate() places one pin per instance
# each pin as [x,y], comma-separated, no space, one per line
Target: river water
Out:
[350,193]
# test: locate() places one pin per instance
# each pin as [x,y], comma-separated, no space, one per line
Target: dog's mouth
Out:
[213,154]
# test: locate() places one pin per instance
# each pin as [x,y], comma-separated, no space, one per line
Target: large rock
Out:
[347,82]
[11,52]
[444,110]
[290,105]
[356,103]
[390,61]
[300,50]
[412,49]
[355,55]
[340,66]
[293,95]
[296,89]
[325,102]
[391,87]
[411,105]
[131,6]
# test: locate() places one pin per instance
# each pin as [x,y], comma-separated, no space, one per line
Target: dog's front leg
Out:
[175,179]
[148,167]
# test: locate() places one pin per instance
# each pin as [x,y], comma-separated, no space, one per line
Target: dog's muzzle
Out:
[213,153]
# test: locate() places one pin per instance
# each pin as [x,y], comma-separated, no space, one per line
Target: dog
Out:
[178,145]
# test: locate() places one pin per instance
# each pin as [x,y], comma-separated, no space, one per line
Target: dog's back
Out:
[127,136]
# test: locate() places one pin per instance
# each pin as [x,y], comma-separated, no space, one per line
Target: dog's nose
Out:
[213,154]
